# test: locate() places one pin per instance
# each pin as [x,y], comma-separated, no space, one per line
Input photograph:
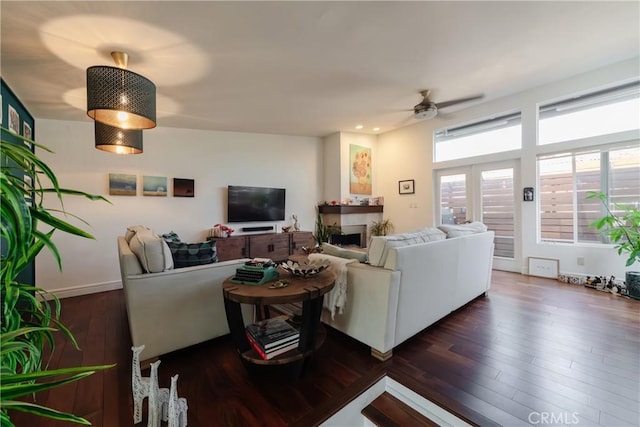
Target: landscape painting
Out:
[122,184]
[154,186]
[183,187]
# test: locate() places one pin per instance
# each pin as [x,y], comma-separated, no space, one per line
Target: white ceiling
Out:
[306,68]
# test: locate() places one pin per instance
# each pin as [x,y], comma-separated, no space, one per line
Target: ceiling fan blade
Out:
[458,101]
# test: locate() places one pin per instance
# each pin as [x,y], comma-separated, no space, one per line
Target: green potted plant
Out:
[382,228]
[622,229]
[323,232]
[28,319]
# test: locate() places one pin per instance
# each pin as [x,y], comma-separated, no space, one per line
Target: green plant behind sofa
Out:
[28,320]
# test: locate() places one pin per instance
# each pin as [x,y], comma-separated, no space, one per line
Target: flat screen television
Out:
[253,204]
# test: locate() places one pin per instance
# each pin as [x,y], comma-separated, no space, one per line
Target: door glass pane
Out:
[498,209]
[624,176]
[556,199]
[453,199]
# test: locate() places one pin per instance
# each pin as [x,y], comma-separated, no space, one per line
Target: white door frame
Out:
[473,180]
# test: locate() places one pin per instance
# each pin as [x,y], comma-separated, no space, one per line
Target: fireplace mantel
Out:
[349,209]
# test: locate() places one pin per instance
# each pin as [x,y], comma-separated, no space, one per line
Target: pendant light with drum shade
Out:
[120,98]
[121,103]
[116,140]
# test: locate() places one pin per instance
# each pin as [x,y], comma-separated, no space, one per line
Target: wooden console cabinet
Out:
[277,246]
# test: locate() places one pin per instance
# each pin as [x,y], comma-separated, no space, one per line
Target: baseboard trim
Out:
[92,288]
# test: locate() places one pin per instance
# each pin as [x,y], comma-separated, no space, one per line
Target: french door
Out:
[484,193]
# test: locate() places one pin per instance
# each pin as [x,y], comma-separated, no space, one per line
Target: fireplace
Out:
[353,221]
[352,235]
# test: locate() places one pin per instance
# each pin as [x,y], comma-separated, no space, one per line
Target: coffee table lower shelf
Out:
[291,356]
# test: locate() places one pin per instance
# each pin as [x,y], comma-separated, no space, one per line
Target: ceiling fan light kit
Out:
[423,112]
[428,109]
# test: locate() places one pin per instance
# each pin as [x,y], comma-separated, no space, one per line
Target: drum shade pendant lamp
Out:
[116,140]
[119,97]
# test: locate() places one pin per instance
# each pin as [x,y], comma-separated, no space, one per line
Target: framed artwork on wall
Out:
[360,173]
[121,184]
[407,186]
[527,194]
[26,132]
[14,120]
[183,187]
[154,186]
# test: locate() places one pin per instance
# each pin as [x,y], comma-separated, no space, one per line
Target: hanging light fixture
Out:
[119,97]
[116,140]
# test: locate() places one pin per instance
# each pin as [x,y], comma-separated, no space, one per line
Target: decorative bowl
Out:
[306,268]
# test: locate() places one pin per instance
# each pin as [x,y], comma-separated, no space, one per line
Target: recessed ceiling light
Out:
[376,129]
[359,126]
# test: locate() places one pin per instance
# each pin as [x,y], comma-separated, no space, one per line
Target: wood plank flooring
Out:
[535,351]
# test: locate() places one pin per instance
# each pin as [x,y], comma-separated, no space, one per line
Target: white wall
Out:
[213,159]
[407,154]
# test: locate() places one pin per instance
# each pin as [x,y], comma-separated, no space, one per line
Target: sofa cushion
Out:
[132,230]
[334,250]
[456,230]
[171,237]
[379,245]
[432,234]
[189,254]
[152,251]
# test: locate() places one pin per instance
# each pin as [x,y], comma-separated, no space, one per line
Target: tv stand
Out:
[276,246]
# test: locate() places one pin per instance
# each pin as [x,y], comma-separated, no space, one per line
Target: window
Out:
[453,199]
[498,208]
[490,136]
[599,113]
[564,180]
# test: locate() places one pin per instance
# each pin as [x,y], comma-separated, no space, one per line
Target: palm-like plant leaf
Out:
[28,319]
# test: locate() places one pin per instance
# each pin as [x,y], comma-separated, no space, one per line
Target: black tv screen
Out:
[252,204]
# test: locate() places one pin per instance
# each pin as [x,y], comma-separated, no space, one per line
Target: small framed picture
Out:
[407,186]
[14,120]
[183,187]
[26,132]
[527,194]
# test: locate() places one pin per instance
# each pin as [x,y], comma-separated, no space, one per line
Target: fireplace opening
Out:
[346,240]
[350,236]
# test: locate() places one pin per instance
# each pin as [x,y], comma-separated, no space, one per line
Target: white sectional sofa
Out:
[413,281]
[171,309]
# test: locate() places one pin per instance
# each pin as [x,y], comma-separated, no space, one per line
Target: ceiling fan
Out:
[428,109]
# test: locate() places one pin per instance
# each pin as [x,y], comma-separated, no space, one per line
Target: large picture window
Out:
[565,179]
[594,114]
[495,135]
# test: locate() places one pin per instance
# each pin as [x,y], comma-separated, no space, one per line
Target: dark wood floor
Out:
[533,348]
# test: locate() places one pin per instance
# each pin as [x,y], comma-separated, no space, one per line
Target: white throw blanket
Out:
[337,297]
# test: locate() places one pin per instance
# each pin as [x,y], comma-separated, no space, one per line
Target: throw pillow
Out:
[457,230]
[132,230]
[152,252]
[171,237]
[334,250]
[189,254]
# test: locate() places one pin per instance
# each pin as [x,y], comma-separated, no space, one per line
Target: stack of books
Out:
[272,337]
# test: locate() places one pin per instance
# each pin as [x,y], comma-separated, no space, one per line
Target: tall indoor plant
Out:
[622,229]
[28,319]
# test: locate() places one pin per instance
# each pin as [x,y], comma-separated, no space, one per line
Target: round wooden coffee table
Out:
[310,291]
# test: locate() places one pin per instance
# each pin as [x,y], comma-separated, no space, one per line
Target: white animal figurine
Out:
[177,406]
